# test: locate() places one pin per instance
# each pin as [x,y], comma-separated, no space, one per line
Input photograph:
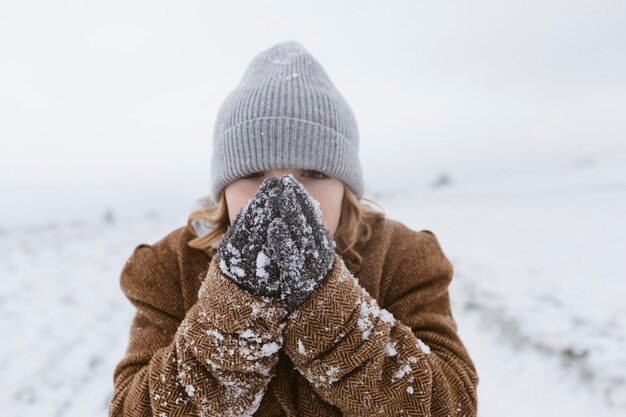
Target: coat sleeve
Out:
[403,360]
[216,361]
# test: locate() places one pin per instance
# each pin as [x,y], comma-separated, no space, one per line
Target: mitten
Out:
[300,244]
[242,253]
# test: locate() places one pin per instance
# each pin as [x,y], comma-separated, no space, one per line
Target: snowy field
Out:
[538,294]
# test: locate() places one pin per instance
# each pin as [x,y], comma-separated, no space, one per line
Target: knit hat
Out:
[285,112]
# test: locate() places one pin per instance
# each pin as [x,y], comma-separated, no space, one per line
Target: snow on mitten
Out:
[300,243]
[243,253]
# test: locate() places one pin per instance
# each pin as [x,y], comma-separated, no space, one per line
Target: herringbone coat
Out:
[377,341]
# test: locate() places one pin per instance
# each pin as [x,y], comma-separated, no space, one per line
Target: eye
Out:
[253,175]
[315,174]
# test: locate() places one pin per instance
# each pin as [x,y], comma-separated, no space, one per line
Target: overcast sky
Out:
[94,94]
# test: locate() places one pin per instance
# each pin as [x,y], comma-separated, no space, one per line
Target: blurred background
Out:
[499,126]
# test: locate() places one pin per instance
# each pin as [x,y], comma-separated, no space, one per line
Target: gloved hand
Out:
[242,254]
[300,243]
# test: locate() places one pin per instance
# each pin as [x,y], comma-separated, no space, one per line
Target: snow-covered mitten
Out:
[243,253]
[300,243]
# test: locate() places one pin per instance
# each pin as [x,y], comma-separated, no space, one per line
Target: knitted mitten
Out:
[299,242]
[243,254]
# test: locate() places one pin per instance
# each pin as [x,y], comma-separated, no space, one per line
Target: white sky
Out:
[105,94]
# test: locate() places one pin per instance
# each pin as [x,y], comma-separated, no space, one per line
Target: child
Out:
[290,295]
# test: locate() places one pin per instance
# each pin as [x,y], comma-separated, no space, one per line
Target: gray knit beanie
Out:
[285,112]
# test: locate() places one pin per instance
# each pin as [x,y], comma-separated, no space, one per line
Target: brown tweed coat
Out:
[378,341]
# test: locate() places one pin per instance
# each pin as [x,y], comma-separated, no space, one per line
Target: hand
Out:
[300,243]
[243,254]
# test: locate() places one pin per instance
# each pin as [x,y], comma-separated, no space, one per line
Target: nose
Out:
[282,172]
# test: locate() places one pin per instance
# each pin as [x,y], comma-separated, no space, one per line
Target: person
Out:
[290,293]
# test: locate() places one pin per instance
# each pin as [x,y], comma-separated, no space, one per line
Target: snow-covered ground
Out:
[539,288]
[537,293]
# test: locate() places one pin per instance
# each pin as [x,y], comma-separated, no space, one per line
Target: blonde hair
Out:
[354,229]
